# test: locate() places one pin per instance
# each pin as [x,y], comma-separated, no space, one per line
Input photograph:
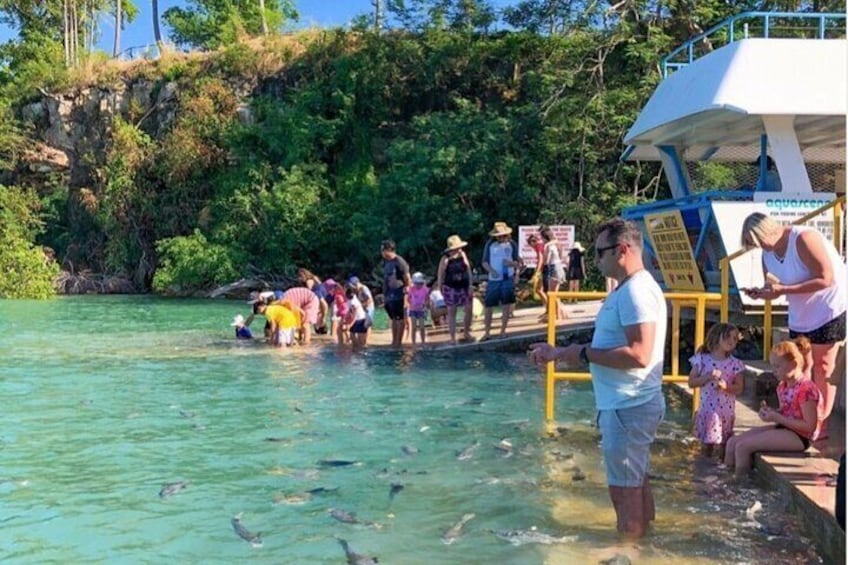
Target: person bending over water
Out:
[795,424]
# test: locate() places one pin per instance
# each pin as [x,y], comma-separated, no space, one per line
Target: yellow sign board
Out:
[673,250]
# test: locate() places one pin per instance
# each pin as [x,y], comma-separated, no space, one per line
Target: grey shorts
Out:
[626,437]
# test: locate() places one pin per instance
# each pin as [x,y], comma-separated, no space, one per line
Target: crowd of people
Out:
[345,311]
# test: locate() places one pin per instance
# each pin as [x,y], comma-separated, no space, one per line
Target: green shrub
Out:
[190,263]
[27,271]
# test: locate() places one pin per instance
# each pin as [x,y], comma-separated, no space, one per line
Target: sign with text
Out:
[674,252]
[788,207]
[563,234]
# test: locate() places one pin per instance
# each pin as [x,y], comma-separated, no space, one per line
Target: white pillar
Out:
[787,154]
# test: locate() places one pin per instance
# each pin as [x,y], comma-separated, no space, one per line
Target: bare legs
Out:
[824,362]
[634,509]
[739,453]
[553,286]
[487,317]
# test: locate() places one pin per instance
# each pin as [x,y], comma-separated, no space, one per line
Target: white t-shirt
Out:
[356,307]
[637,301]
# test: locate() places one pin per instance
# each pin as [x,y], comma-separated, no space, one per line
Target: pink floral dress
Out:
[717,413]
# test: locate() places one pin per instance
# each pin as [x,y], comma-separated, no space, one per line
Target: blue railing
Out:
[725,32]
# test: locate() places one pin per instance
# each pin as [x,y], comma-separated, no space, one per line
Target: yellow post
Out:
[767,329]
[675,338]
[550,382]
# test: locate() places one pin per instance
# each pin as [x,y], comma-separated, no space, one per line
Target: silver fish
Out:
[356,558]
[254,539]
[395,488]
[172,488]
[468,452]
[521,537]
[409,449]
[454,532]
[336,463]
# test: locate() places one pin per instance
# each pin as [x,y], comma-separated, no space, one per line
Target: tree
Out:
[209,24]
[157,32]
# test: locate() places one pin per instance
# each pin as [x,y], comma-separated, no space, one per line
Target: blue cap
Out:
[353,280]
[278,294]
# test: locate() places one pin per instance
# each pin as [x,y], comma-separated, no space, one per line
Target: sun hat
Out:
[500,229]
[329,283]
[418,278]
[455,242]
[578,246]
[238,320]
[253,297]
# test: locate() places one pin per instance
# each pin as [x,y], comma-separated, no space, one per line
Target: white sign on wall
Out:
[563,234]
[747,269]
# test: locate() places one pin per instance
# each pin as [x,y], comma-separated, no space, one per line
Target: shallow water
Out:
[107,399]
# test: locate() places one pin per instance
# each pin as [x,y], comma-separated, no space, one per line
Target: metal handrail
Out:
[724,267]
[678,299]
[730,25]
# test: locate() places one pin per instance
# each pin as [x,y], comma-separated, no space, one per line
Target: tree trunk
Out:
[116,50]
[378,14]
[66,32]
[262,14]
[157,33]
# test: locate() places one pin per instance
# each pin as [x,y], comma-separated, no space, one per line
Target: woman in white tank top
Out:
[802,264]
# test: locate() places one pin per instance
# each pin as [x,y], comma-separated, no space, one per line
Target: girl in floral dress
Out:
[719,376]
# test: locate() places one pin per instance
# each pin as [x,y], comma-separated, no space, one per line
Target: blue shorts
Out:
[359,327]
[626,437]
[418,314]
[499,292]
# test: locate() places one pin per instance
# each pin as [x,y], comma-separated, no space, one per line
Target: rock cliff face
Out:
[73,128]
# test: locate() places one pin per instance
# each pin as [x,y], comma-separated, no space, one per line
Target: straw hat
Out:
[455,242]
[578,246]
[500,229]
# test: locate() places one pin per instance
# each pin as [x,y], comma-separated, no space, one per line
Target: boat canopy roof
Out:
[712,108]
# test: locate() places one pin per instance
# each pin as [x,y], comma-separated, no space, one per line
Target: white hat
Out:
[418,278]
[578,246]
[238,320]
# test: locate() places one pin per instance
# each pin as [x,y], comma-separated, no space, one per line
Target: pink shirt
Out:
[792,396]
[418,298]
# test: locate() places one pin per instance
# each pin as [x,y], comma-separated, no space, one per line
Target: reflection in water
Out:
[135,427]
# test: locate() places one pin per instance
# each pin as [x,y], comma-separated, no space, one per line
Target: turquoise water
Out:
[107,399]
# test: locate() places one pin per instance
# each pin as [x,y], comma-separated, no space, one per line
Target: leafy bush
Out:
[27,271]
[190,263]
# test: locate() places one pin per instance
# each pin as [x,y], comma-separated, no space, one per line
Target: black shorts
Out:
[394,309]
[831,332]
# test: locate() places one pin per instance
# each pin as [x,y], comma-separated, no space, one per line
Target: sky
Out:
[313,13]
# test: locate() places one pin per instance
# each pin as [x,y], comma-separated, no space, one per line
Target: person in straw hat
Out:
[503,263]
[455,281]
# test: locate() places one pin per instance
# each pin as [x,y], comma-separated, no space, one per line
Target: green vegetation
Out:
[310,149]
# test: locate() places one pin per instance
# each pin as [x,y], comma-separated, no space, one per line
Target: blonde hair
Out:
[714,336]
[796,351]
[757,227]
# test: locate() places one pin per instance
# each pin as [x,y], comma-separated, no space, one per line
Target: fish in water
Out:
[409,449]
[356,558]
[322,490]
[617,559]
[521,537]
[336,463]
[172,488]
[505,447]
[454,532]
[394,489]
[350,518]
[751,512]
[468,452]
[254,539]
[474,401]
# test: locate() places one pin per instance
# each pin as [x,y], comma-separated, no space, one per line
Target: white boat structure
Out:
[770,87]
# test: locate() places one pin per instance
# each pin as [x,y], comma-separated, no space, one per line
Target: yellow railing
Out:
[678,300]
[724,266]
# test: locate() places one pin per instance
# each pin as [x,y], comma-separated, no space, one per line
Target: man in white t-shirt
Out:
[626,363]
